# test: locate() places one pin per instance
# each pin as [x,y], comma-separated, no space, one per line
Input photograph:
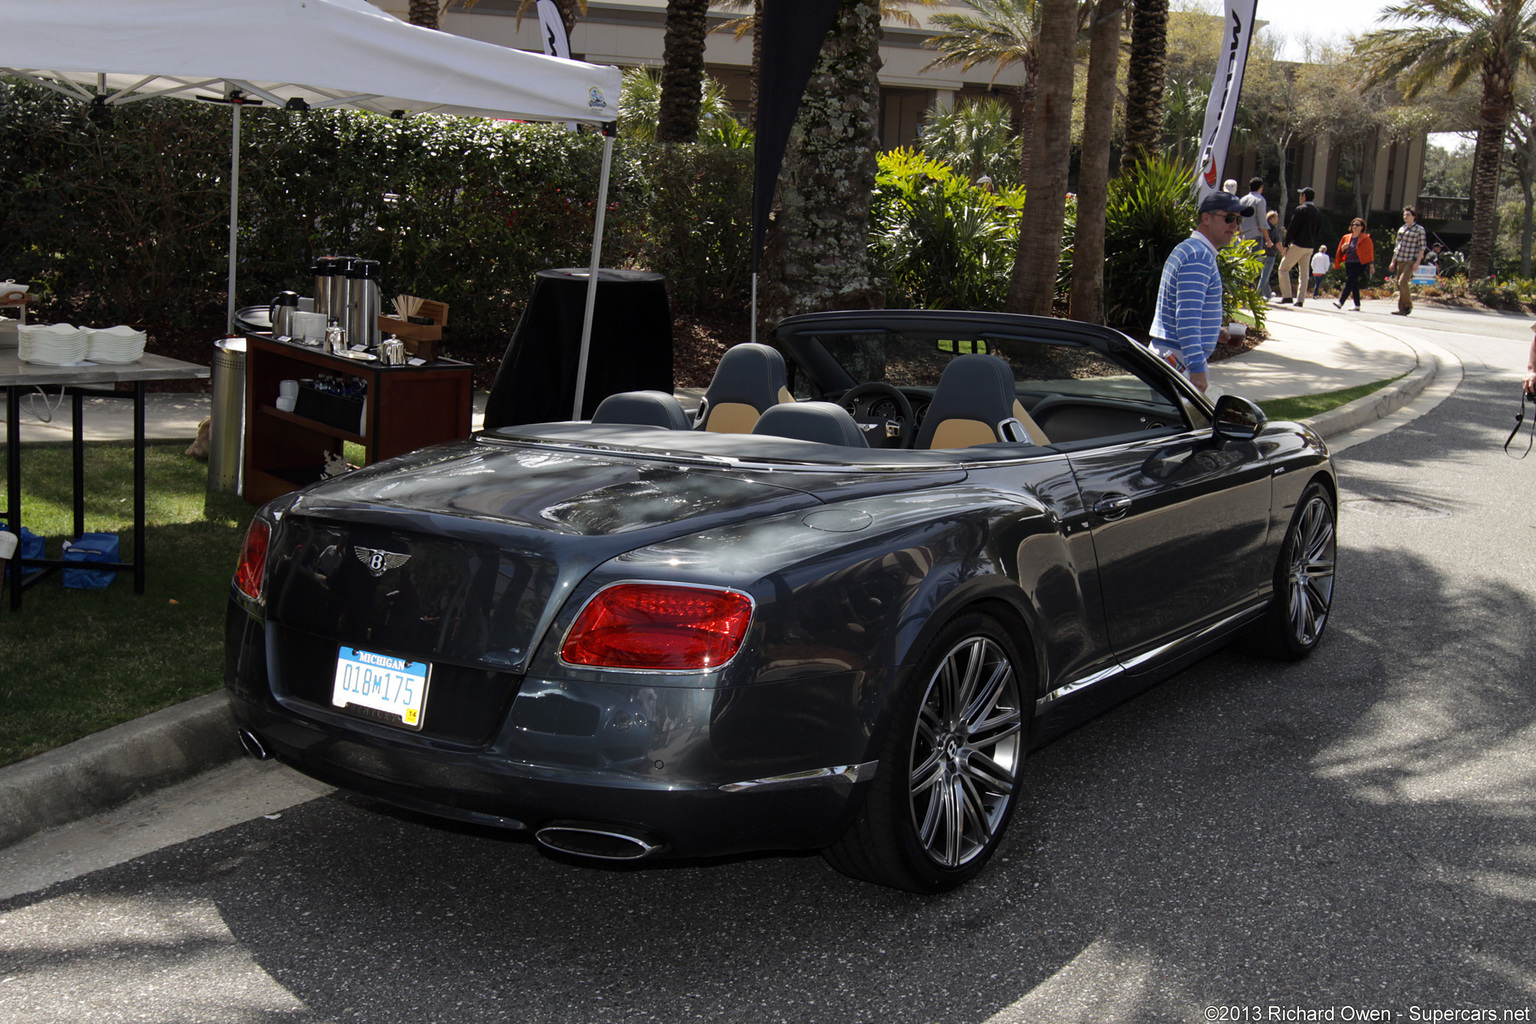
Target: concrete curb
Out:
[1378,404]
[110,767]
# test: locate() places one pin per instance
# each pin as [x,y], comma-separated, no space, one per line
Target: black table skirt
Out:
[631,347]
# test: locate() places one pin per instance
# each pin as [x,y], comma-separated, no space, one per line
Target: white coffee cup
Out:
[286,404]
[1237,330]
[288,389]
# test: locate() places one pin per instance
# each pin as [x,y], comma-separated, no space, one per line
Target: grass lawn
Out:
[73,662]
[1304,406]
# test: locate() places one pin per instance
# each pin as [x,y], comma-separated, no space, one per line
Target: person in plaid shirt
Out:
[1411,243]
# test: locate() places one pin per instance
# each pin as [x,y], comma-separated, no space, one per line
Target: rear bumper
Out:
[783,812]
[775,766]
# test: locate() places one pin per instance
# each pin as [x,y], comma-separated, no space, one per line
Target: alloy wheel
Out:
[966,749]
[1310,572]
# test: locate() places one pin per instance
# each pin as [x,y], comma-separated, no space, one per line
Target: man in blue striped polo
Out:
[1188,323]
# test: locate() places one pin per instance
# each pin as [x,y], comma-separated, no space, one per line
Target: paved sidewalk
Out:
[1312,350]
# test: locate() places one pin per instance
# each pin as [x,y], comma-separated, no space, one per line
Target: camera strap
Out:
[1519,419]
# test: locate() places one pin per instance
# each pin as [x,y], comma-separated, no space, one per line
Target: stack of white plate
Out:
[118,344]
[52,344]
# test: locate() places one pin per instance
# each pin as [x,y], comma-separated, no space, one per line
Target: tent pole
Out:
[597,256]
[234,211]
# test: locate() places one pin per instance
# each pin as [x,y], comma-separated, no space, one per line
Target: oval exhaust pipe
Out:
[599,842]
[253,745]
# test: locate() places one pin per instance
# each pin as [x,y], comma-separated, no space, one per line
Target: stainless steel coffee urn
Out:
[363,303]
[325,276]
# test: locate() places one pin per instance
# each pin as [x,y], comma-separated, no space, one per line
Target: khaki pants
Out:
[1405,287]
[1293,256]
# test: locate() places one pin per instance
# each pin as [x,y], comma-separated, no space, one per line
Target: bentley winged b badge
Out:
[378,560]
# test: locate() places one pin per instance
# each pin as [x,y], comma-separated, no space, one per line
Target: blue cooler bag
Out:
[31,546]
[91,547]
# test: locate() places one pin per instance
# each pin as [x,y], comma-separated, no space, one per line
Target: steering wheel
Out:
[906,423]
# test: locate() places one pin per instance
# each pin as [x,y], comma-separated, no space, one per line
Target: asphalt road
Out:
[1349,838]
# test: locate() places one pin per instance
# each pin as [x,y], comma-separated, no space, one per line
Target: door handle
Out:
[1112,507]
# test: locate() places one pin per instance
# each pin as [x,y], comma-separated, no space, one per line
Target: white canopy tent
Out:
[300,54]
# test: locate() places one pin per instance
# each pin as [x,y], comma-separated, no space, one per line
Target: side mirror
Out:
[1238,419]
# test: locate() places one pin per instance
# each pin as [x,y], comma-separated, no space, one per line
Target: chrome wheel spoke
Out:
[988,773]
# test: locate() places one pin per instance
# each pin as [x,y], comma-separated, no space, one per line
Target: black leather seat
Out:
[749,380]
[975,403]
[824,422]
[643,408]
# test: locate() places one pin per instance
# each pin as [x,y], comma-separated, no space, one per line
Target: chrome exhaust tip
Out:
[598,842]
[253,745]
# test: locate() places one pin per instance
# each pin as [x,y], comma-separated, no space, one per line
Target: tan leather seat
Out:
[975,403]
[749,380]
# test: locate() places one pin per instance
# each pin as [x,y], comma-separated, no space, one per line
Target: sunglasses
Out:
[1232,218]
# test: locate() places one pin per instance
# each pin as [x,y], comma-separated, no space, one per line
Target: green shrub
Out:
[120,214]
[942,242]
[1496,293]
[1150,210]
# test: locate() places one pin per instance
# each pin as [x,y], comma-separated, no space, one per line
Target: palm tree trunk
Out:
[682,71]
[1485,192]
[1093,178]
[757,60]
[1040,227]
[1144,87]
[816,255]
[423,13]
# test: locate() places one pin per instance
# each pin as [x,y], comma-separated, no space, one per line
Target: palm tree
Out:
[978,139]
[1045,185]
[1093,177]
[1447,41]
[1002,32]
[682,70]
[1148,65]
[817,252]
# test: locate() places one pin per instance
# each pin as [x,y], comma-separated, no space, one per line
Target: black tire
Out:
[1303,583]
[948,776]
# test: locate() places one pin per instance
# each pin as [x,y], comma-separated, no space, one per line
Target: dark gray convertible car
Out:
[831,609]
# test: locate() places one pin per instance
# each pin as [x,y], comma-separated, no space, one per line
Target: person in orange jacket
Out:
[1355,254]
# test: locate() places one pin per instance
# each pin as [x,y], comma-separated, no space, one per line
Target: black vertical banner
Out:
[793,31]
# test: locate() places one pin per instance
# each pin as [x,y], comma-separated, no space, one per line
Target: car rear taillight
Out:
[660,627]
[251,573]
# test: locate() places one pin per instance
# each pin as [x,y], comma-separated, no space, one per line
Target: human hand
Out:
[1201,381]
[1530,384]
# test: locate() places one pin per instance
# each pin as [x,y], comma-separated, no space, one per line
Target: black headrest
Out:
[825,422]
[749,374]
[643,408]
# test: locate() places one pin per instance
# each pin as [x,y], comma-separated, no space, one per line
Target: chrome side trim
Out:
[843,773]
[1154,654]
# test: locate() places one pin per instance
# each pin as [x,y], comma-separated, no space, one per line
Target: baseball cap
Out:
[1223,202]
[1308,192]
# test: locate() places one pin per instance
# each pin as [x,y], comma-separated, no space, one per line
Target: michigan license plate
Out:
[381,686]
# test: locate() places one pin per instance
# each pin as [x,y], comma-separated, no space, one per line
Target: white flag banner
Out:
[552,27]
[1221,109]
[556,42]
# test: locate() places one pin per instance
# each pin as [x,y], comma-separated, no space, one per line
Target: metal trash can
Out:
[226,429]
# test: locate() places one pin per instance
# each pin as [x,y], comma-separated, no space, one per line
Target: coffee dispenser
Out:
[326,271]
[363,303]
